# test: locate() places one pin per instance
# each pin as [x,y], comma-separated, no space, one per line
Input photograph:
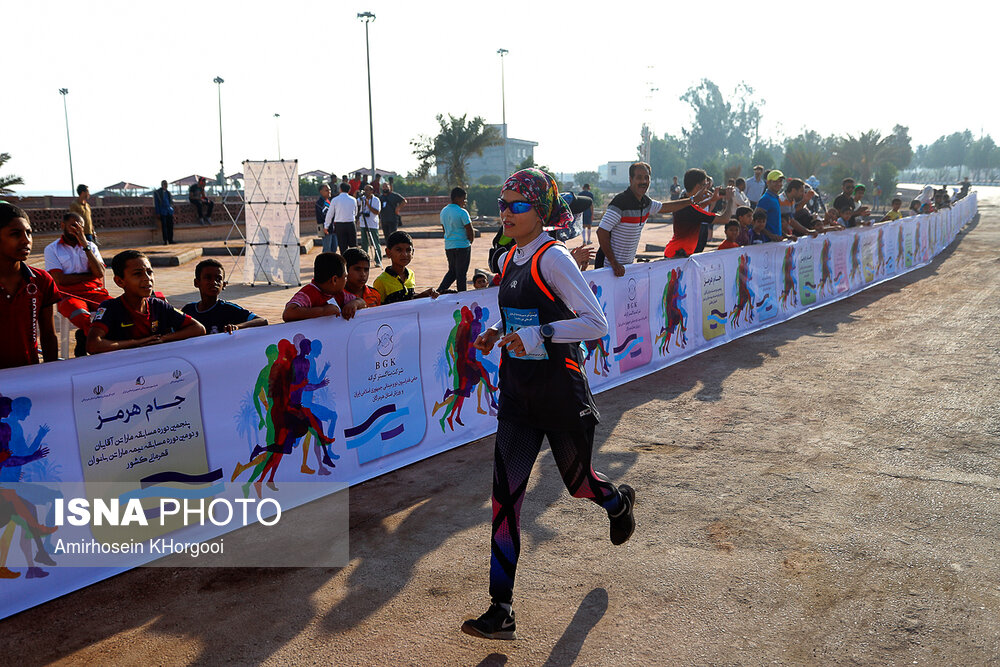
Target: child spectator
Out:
[358,265]
[845,209]
[214,314]
[758,229]
[744,216]
[481,279]
[396,282]
[137,318]
[325,295]
[27,296]
[915,207]
[732,231]
[830,223]
[894,213]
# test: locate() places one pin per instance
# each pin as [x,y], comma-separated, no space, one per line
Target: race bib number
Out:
[518,318]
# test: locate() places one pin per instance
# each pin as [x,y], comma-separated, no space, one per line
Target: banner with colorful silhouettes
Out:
[338,402]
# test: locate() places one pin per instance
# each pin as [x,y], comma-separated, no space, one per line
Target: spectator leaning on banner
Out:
[794,215]
[770,204]
[626,215]
[693,218]
[756,186]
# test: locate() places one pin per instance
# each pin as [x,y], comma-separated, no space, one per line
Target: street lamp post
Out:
[277,130]
[222,164]
[368,17]
[503,110]
[72,181]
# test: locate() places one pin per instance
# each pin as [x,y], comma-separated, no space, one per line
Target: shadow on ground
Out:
[246,615]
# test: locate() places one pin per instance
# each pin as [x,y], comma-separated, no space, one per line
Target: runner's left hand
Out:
[514,344]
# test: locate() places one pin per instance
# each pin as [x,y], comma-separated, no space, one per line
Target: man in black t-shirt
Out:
[388,215]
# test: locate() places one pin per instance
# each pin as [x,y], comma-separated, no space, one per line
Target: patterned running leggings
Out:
[517,447]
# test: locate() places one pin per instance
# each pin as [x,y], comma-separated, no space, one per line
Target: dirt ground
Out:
[826,491]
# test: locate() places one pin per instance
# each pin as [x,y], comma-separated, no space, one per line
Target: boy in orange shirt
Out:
[358,265]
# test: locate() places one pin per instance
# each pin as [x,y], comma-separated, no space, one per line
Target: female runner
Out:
[546,309]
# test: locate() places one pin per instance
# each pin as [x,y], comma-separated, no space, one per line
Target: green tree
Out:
[948,151]
[805,155]
[865,153]
[886,178]
[456,141]
[667,157]
[582,177]
[763,155]
[7,182]
[720,127]
[309,187]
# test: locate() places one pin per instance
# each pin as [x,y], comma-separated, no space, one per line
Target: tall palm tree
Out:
[867,152]
[803,160]
[6,182]
[455,143]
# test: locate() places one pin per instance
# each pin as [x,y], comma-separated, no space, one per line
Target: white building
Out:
[615,173]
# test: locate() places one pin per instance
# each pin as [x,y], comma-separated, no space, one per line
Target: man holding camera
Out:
[369,206]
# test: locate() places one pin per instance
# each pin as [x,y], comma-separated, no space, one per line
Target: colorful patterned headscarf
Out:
[541,191]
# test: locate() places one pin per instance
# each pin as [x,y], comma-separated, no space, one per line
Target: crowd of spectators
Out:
[763,209]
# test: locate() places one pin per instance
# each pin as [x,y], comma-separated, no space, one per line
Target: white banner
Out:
[342,402]
[272,222]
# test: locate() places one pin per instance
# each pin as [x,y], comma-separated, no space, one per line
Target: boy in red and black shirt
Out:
[137,318]
[325,295]
[27,296]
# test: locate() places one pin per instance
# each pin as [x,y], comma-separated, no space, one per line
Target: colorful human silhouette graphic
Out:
[467,368]
[288,413]
[790,286]
[673,312]
[597,349]
[744,306]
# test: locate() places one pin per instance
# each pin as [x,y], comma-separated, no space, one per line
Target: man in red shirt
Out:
[688,220]
[27,296]
[78,269]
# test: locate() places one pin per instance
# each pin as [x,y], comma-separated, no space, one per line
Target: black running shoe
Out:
[496,623]
[623,523]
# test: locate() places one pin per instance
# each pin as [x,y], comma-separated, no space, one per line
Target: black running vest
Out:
[547,388]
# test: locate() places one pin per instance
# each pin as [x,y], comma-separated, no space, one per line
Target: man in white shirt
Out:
[77,267]
[756,186]
[370,206]
[740,193]
[341,216]
[626,215]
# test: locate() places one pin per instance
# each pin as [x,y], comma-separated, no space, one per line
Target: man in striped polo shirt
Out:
[626,215]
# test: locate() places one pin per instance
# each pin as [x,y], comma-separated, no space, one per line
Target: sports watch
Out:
[547,331]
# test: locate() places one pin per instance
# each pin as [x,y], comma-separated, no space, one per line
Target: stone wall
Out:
[141,214]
